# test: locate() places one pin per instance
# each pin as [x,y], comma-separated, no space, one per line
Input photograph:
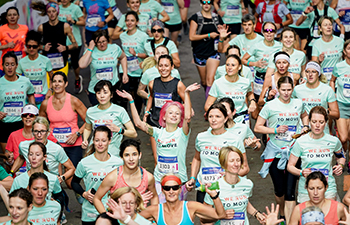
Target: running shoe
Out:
[79,85]
[79,198]
[63,219]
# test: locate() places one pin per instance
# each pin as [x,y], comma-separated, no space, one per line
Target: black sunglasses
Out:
[269,30]
[206,2]
[174,187]
[28,114]
[32,46]
[157,30]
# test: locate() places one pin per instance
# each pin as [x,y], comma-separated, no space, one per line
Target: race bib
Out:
[345,20]
[39,98]
[315,32]
[13,108]
[133,63]
[93,20]
[160,99]
[258,84]
[286,136]
[56,60]
[61,134]
[21,170]
[216,44]
[116,12]
[104,74]
[328,72]
[211,174]
[168,164]
[324,171]
[238,219]
[295,15]
[168,7]
[19,55]
[346,90]
[232,10]
[246,120]
[38,86]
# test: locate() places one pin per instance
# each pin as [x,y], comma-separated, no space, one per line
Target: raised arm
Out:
[188,107]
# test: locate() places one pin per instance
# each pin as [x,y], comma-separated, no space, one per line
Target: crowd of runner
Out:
[286,79]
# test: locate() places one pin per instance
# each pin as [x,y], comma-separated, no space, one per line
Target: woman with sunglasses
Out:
[204,37]
[328,49]
[316,92]
[12,36]
[93,169]
[36,67]
[55,153]
[15,92]
[103,59]
[157,29]
[130,174]
[283,115]
[261,52]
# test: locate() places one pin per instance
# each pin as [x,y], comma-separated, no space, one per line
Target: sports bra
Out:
[186,219]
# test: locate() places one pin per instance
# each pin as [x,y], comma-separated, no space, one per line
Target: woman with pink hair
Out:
[171,139]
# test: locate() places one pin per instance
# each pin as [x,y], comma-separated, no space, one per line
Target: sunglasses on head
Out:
[28,114]
[174,187]
[269,30]
[206,2]
[157,30]
[32,46]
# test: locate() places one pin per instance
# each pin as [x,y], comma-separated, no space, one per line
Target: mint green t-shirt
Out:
[209,146]
[55,155]
[297,60]
[332,50]
[342,73]
[244,43]
[152,73]
[246,72]
[170,45]
[296,9]
[114,114]
[46,215]
[277,114]
[93,171]
[13,97]
[22,181]
[317,154]
[36,70]
[104,65]
[262,51]
[236,198]
[237,91]
[172,8]
[75,12]
[136,41]
[152,8]
[233,11]
[171,152]
[320,96]
[311,16]
[144,23]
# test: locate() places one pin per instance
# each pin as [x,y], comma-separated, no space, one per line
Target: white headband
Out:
[315,66]
[282,56]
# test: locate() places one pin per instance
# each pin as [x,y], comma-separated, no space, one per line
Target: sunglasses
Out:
[28,114]
[206,2]
[32,46]
[174,187]
[157,30]
[269,30]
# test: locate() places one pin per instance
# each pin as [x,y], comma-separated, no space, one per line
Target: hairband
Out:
[315,66]
[169,178]
[53,5]
[312,216]
[282,56]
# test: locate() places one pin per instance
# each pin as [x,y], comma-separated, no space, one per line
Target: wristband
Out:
[301,173]
[275,130]
[248,62]
[148,95]
[148,112]
[123,130]
[193,178]
[342,36]
[132,101]
[216,196]
[89,50]
[221,41]
[304,14]
[127,220]
[208,35]
[281,24]
[12,172]
[105,22]
[257,214]
[120,130]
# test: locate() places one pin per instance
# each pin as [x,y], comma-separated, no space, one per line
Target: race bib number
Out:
[315,32]
[346,90]
[286,136]
[216,44]
[238,219]
[38,86]
[160,99]
[19,55]
[232,10]
[93,20]
[168,164]
[61,134]
[324,171]
[13,108]
[328,72]
[116,12]
[56,60]
[211,174]
[104,74]
[168,7]
[295,15]
[133,63]
[258,84]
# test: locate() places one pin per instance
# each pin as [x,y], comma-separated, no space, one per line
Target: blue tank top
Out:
[186,219]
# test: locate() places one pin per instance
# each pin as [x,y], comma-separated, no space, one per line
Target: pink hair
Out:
[165,108]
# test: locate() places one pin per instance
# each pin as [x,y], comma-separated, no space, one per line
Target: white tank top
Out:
[273,85]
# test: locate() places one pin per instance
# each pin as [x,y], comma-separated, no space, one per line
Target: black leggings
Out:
[284,182]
